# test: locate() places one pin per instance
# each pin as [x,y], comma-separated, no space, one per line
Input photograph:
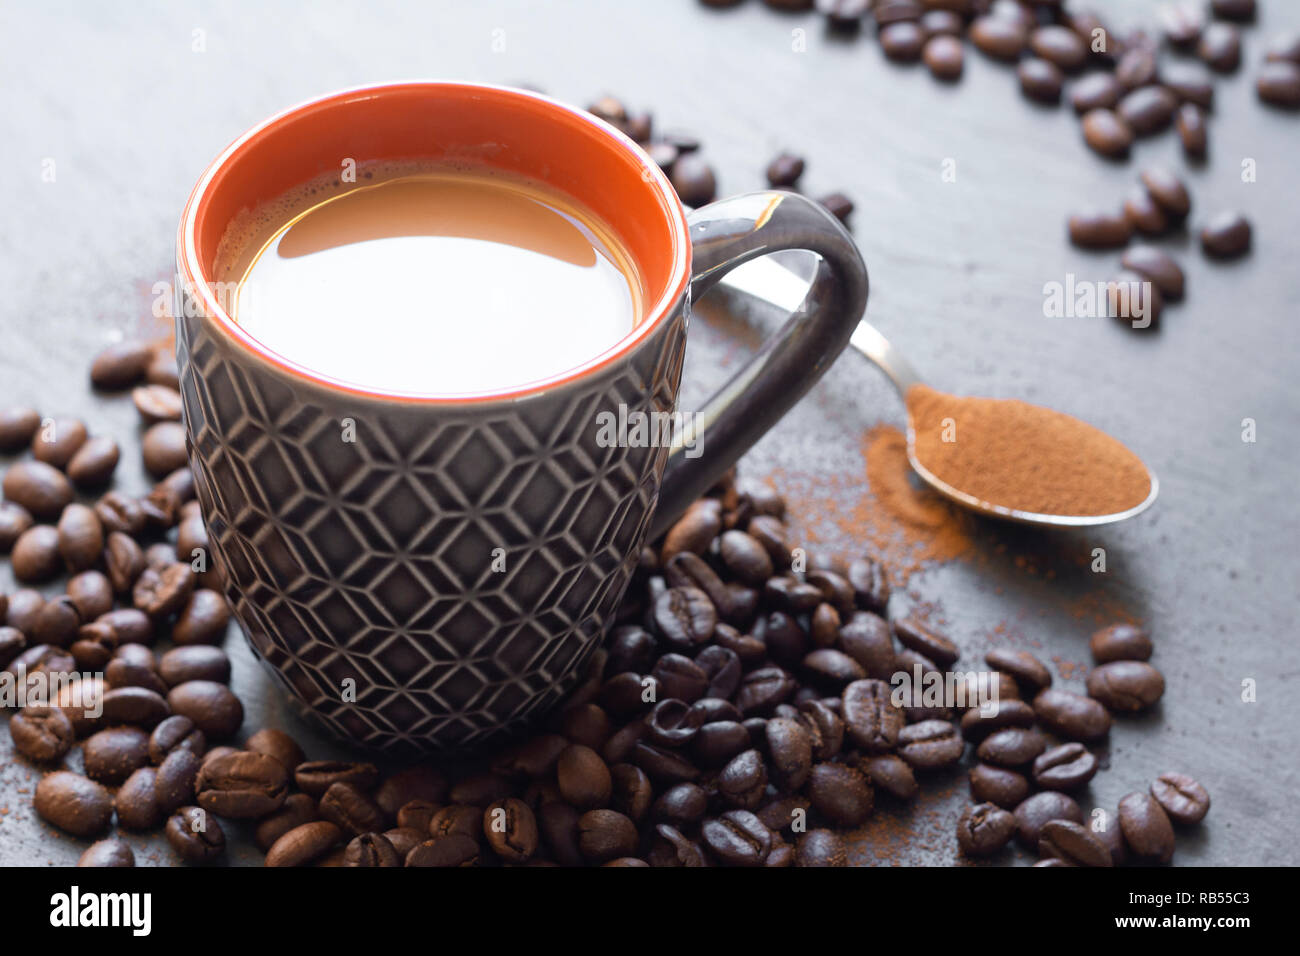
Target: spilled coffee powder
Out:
[1025,457]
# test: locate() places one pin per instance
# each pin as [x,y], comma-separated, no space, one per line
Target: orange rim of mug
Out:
[673,262]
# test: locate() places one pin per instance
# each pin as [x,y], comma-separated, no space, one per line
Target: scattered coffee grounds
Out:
[1024,457]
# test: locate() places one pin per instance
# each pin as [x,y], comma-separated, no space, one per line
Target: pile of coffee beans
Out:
[1121,86]
[678,155]
[740,713]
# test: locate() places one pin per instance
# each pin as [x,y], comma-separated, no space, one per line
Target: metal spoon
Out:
[772,282]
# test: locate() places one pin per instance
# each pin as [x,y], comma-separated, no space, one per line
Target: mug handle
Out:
[725,234]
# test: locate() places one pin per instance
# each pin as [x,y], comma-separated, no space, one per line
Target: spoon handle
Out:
[771,281]
[877,348]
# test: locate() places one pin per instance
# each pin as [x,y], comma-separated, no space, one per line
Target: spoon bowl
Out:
[771,281]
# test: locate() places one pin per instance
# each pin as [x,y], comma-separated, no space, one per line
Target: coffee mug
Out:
[430,572]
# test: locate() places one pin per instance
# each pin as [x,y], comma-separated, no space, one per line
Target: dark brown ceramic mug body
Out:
[440,579]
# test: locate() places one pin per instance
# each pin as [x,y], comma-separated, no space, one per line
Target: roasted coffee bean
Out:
[825,728]
[157,403]
[1226,235]
[784,812]
[785,640]
[820,848]
[304,844]
[1169,192]
[162,369]
[1183,799]
[824,626]
[747,648]
[17,426]
[511,830]
[110,756]
[661,763]
[57,440]
[243,785]
[453,850]
[213,708]
[886,12]
[124,561]
[719,741]
[1143,213]
[685,618]
[742,781]
[680,677]
[12,643]
[347,807]
[1233,9]
[984,829]
[866,638]
[1060,45]
[838,205]
[1127,686]
[198,662]
[583,777]
[745,557]
[91,593]
[1040,80]
[871,720]
[784,171]
[480,789]
[57,623]
[1097,91]
[1146,828]
[762,690]
[24,607]
[136,801]
[371,849]
[459,819]
[1042,808]
[176,733]
[35,555]
[1006,788]
[1181,23]
[770,532]
[1131,297]
[605,835]
[1192,130]
[131,626]
[840,793]
[669,847]
[1071,715]
[1067,767]
[1137,67]
[137,706]
[1073,843]
[912,633]
[42,734]
[681,805]
[791,595]
[943,23]
[94,462]
[737,838]
[943,55]
[1220,47]
[14,520]
[892,775]
[999,37]
[117,512]
[107,853]
[632,792]
[277,745]
[163,447]
[694,530]
[177,779]
[902,41]
[417,814]
[1099,230]
[930,744]
[315,777]
[39,488]
[163,591]
[1147,109]
[688,570]
[672,722]
[630,649]
[120,365]
[1014,747]
[1027,670]
[297,809]
[694,180]
[587,724]
[423,782]
[1158,266]
[80,700]
[621,695]
[831,669]
[834,588]
[73,803]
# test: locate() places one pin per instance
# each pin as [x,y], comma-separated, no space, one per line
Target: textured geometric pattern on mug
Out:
[371,560]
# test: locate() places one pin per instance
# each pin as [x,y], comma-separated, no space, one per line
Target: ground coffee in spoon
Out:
[1023,456]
